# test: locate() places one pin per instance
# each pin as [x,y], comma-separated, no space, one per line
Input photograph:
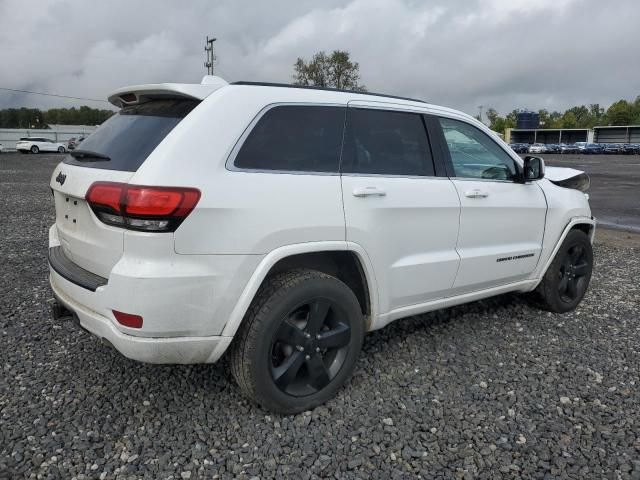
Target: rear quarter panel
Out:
[241,212]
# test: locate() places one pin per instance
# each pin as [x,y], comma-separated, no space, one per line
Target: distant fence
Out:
[9,136]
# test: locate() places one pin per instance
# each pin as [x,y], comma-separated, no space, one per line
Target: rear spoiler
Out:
[136,94]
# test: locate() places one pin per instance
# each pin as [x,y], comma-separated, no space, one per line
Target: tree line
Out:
[36,118]
[622,112]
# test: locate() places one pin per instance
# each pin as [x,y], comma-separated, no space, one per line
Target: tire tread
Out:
[246,338]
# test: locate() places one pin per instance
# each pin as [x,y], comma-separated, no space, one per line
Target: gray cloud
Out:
[502,53]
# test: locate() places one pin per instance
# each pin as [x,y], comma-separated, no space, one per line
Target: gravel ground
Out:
[494,389]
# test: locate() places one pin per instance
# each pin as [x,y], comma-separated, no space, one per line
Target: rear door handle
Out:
[368,192]
[476,193]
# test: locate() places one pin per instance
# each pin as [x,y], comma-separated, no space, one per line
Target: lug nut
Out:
[300,348]
[318,349]
[307,357]
[318,336]
[307,335]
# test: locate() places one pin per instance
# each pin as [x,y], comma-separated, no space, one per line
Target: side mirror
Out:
[533,169]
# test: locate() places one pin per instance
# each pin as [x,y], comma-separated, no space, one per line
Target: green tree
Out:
[620,113]
[492,116]
[335,70]
[35,118]
[569,120]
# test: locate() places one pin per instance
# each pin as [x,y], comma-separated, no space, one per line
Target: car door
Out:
[49,145]
[42,144]
[396,207]
[502,219]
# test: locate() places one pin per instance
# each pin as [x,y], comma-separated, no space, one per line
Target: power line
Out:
[52,95]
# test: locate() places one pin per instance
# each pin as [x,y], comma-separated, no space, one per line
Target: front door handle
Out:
[476,193]
[368,192]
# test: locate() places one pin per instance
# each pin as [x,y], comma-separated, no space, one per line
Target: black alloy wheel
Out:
[299,341]
[572,273]
[566,281]
[310,347]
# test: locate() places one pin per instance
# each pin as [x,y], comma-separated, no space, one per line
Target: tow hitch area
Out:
[59,312]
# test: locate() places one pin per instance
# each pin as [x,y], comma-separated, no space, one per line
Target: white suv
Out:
[283,223]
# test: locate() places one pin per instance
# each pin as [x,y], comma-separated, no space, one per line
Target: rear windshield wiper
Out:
[85,155]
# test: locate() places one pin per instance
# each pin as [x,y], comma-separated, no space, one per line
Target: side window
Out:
[474,154]
[386,142]
[295,138]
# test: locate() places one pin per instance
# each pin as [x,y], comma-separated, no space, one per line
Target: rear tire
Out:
[61,150]
[566,280]
[34,149]
[299,341]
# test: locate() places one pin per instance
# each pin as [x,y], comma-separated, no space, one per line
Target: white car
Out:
[538,148]
[39,144]
[284,223]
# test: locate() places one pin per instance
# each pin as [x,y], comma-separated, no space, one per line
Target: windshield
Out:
[125,140]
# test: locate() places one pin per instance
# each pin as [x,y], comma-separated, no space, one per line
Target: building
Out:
[613,134]
[548,135]
[600,134]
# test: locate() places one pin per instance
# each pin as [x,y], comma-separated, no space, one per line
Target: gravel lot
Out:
[495,389]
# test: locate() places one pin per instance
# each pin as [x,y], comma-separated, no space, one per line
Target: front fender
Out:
[552,249]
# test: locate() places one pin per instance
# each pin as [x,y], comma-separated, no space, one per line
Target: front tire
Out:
[61,150]
[299,341]
[34,149]
[566,280]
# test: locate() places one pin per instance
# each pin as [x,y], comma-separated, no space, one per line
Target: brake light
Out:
[136,207]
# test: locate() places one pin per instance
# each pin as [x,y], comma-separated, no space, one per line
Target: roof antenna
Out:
[211,55]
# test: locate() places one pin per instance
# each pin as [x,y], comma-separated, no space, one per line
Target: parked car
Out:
[592,149]
[519,147]
[631,148]
[538,148]
[39,144]
[553,148]
[294,235]
[1,148]
[568,148]
[612,148]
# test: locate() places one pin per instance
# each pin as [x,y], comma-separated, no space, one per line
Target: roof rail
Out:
[329,89]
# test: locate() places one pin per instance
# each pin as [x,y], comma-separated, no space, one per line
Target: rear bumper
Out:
[185,350]
[185,300]
[72,272]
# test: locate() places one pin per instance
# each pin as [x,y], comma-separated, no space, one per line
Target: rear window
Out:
[128,137]
[295,138]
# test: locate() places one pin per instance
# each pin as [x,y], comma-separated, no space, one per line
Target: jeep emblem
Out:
[61,178]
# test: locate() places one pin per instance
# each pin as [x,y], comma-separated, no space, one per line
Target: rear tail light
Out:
[135,207]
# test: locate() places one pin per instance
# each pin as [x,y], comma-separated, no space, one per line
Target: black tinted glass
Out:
[128,137]
[388,143]
[295,138]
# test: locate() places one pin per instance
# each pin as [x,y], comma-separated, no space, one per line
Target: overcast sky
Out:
[502,53]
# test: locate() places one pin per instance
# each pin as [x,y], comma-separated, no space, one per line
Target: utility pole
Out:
[480,107]
[211,55]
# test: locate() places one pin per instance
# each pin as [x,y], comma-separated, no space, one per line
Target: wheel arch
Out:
[344,260]
[584,224]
